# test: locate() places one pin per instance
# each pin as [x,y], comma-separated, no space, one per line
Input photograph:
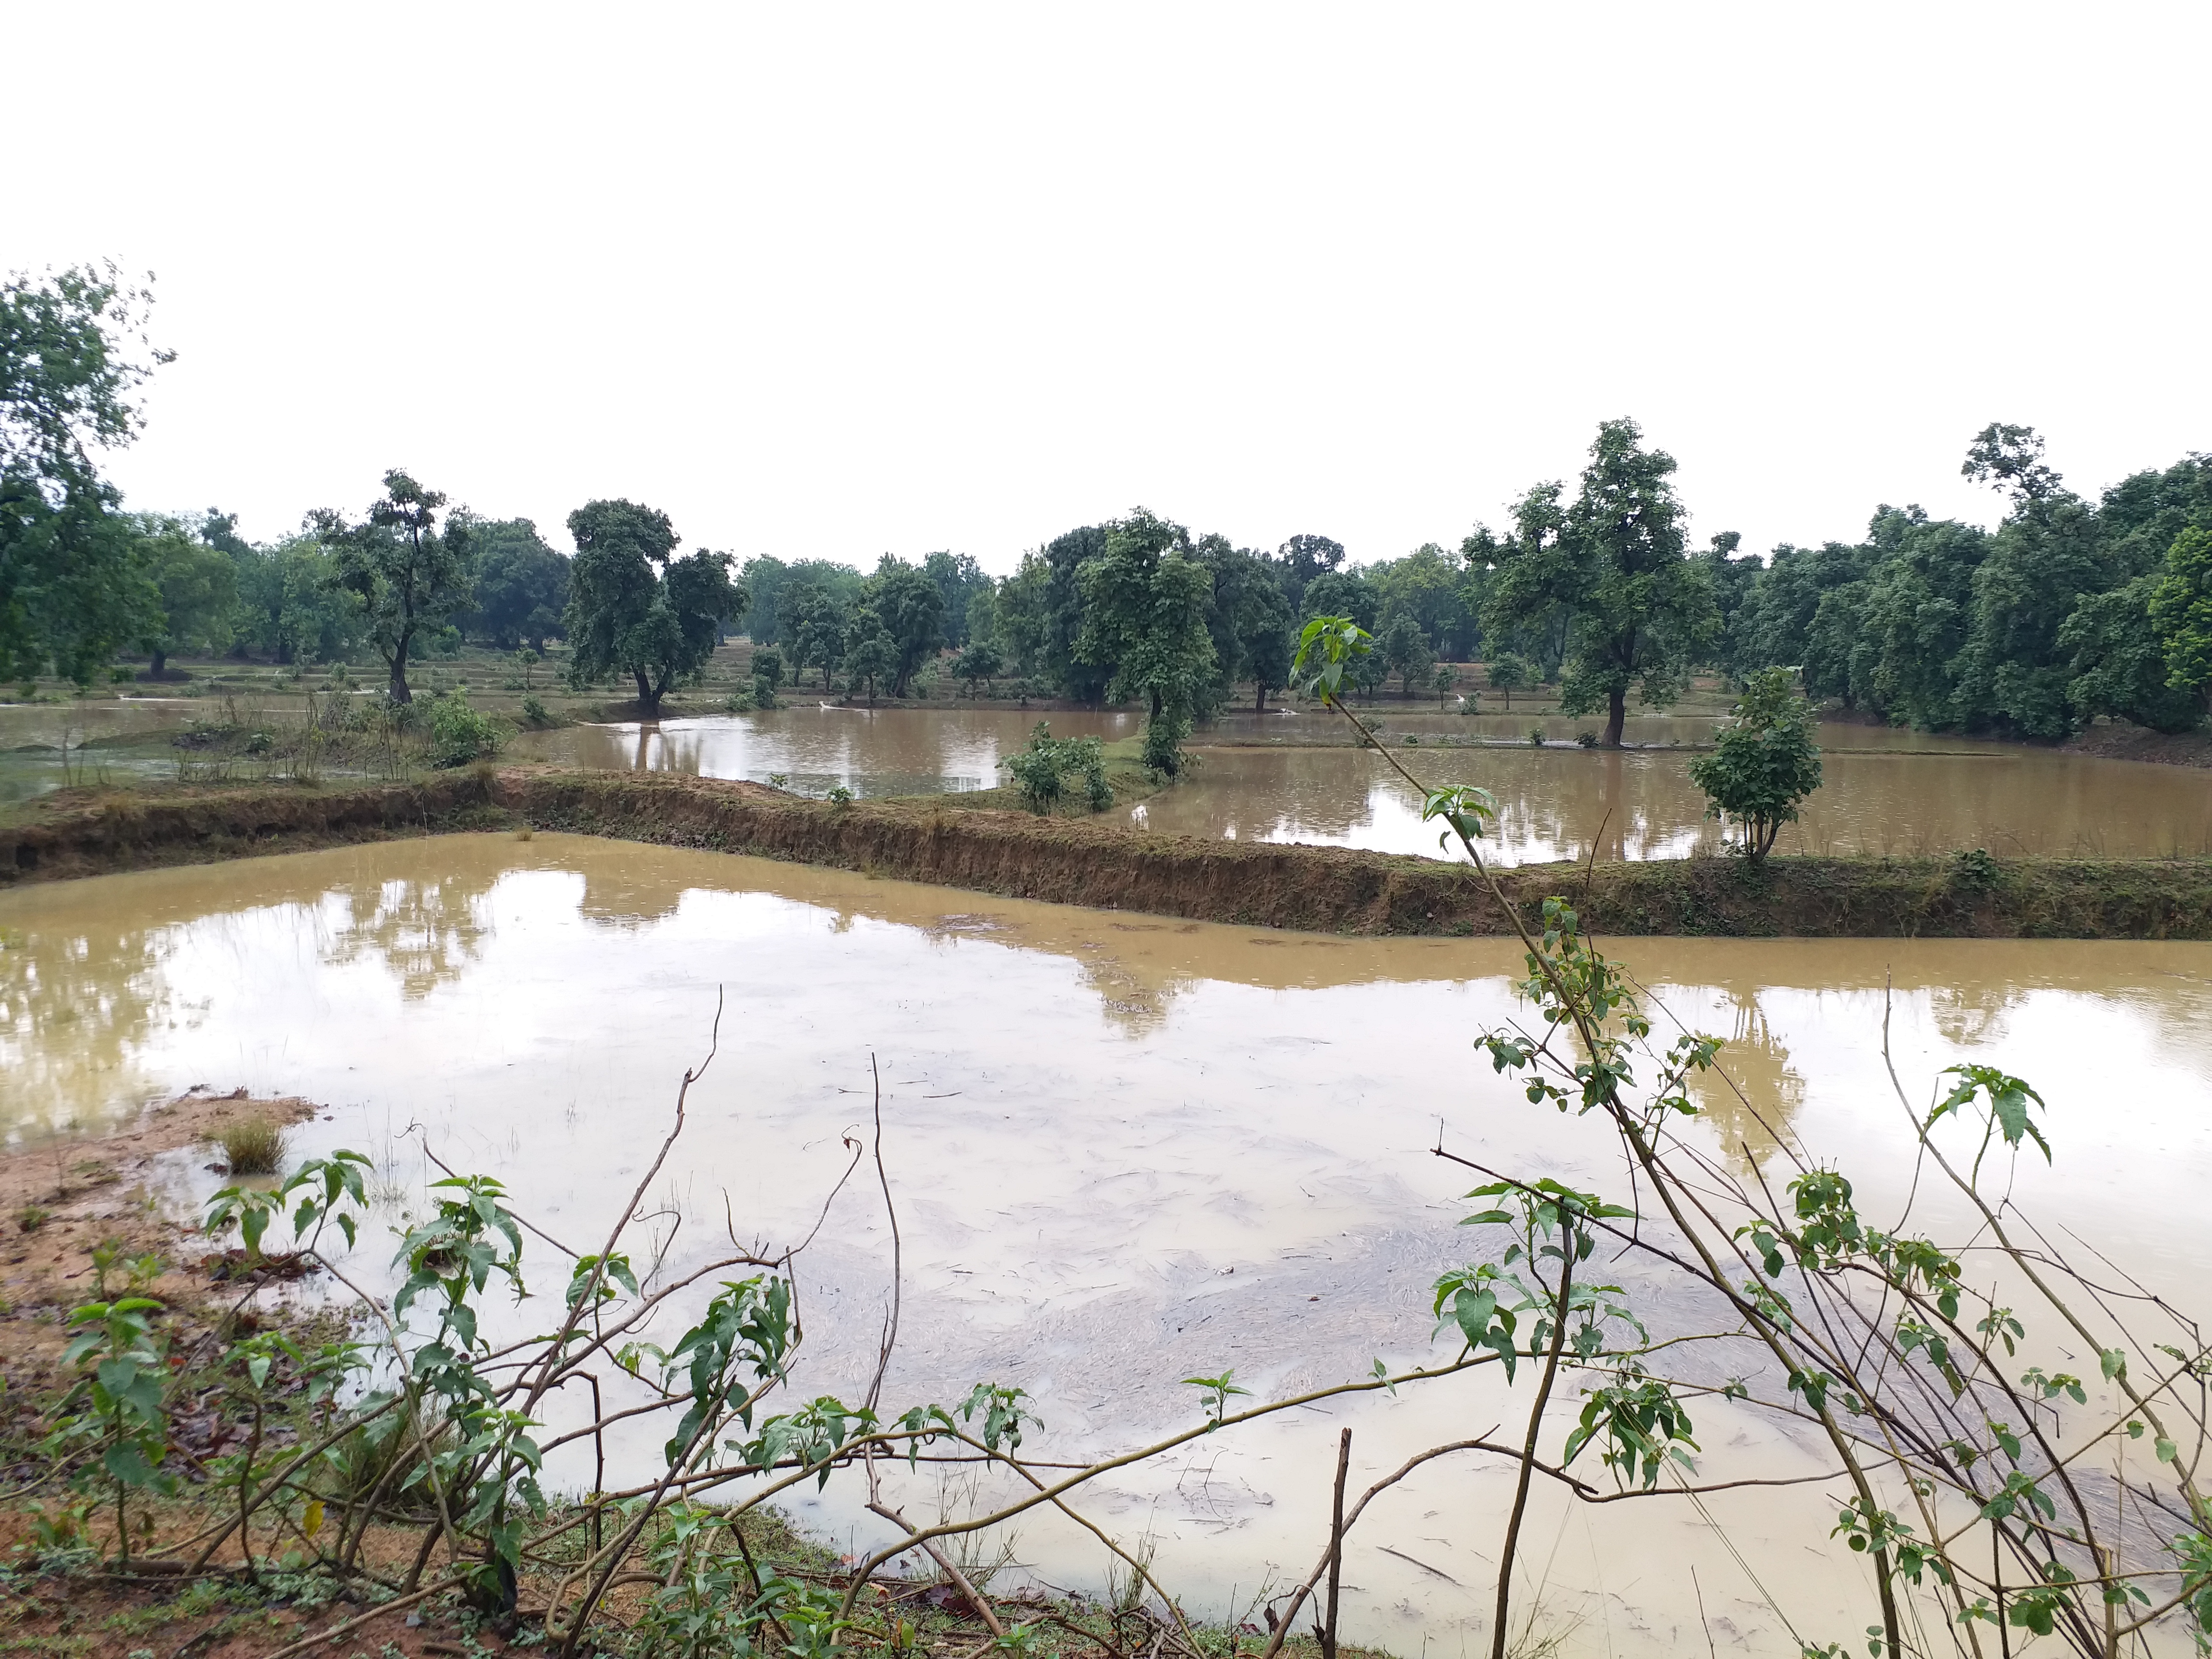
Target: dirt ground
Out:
[61,1198]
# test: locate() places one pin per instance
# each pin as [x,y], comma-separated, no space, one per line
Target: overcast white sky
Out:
[828,281]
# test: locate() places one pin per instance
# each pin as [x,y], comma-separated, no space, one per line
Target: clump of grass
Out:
[252,1145]
[32,1216]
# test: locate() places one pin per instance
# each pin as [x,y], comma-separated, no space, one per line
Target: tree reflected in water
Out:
[1753,1092]
[75,1008]
[427,930]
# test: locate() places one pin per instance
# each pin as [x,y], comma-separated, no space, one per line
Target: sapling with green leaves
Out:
[122,1393]
[1764,763]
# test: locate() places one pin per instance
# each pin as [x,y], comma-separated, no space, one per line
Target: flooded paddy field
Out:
[1554,801]
[816,746]
[1125,1152]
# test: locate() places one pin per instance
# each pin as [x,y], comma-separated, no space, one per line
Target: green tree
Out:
[958,578]
[1062,651]
[1910,624]
[197,587]
[1432,585]
[979,661]
[813,624]
[1024,614]
[635,608]
[1342,593]
[1773,620]
[289,605]
[1509,671]
[521,583]
[1763,763]
[913,613]
[1304,560]
[1144,605]
[1247,619]
[2119,663]
[1642,612]
[406,578]
[1538,628]
[872,658]
[1404,650]
[2048,552]
[2181,613]
[73,588]
[1264,634]
[764,622]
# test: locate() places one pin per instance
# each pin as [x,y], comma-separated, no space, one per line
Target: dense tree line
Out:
[2068,609]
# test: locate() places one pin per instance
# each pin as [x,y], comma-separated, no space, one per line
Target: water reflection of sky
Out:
[1555,803]
[1126,1150]
[814,745]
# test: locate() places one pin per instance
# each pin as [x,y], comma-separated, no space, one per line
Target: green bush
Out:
[534,711]
[1040,772]
[459,733]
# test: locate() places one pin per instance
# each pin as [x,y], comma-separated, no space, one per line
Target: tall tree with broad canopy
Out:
[1404,650]
[289,605]
[407,578]
[635,608]
[1143,612]
[912,609]
[521,583]
[73,586]
[958,578]
[197,586]
[1302,560]
[2181,614]
[1641,612]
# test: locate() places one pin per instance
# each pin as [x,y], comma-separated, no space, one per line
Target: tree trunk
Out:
[161,661]
[648,700]
[1616,716]
[1260,703]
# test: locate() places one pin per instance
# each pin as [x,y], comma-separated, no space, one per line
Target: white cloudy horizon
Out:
[831,284]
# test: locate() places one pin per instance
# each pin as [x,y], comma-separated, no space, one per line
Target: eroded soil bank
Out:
[1105,865]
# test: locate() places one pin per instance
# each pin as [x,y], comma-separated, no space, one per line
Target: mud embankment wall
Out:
[1325,890]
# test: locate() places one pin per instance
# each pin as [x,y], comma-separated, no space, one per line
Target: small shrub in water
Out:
[1587,739]
[1536,737]
[253,1145]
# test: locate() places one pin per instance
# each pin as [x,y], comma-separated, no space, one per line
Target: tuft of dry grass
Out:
[252,1146]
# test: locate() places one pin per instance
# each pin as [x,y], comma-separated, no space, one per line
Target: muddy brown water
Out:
[1554,801]
[1885,791]
[816,746]
[1125,1152]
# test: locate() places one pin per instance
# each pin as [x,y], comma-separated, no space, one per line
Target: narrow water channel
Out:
[1125,1152]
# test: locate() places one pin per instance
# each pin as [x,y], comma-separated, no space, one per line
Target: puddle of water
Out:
[1554,800]
[1126,1150]
[815,745]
